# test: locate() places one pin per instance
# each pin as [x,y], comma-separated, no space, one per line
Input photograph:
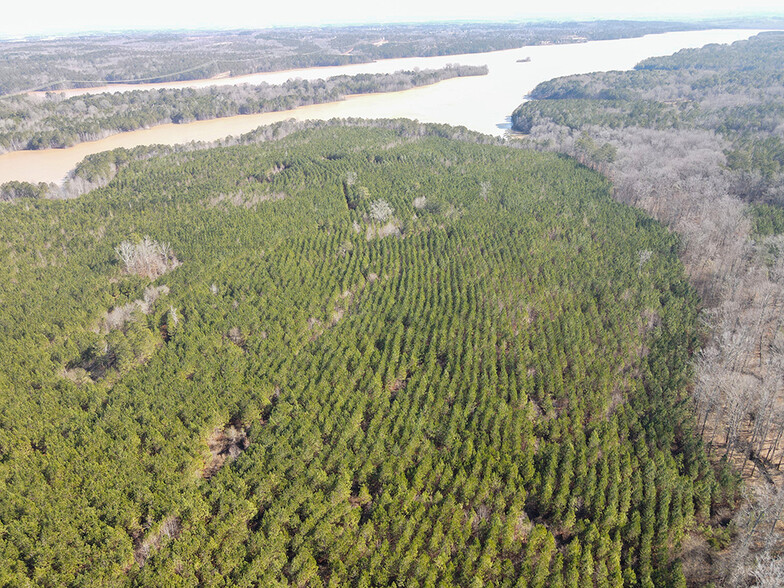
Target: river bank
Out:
[482,103]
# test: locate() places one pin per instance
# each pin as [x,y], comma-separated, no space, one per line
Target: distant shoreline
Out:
[457,102]
[134,58]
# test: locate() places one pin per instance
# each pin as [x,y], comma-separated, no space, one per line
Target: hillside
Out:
[697,140]
[89,60]
[349,357]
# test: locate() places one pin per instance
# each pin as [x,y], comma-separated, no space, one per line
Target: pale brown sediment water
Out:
[481,103]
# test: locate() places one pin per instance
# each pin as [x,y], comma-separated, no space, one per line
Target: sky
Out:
[43,17]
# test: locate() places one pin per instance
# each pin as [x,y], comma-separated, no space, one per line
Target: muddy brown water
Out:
[481,103]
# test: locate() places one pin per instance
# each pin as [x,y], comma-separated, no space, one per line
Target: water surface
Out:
[481,103]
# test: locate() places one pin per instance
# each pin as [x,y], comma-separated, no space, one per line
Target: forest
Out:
[30,122]
[99,59]
[733,92]
[697,141]
[363,354]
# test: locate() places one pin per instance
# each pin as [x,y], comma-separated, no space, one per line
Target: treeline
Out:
[95,60]
[98,169]
[379,359]
[34,123]
[734,91]
[696,140]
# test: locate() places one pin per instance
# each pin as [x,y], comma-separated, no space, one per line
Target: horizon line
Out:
[716,18]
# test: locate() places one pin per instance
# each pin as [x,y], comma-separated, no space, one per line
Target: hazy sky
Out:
[24,17]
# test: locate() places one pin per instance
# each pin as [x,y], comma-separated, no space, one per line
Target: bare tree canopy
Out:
[146,258]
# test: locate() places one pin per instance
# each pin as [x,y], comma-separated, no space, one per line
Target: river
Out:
[481,103]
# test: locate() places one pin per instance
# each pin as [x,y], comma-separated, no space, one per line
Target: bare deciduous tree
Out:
[146,258]
[380,210]
[420,202]
[769,572]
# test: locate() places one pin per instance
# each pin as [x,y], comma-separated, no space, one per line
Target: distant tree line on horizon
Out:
[95,60]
